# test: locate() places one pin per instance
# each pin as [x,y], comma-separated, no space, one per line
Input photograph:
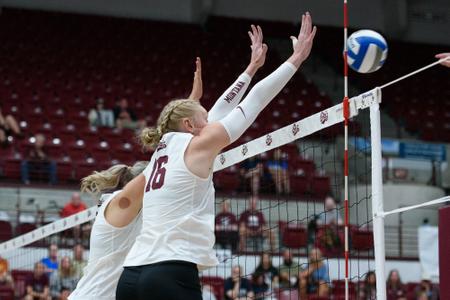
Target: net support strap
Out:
[429,203]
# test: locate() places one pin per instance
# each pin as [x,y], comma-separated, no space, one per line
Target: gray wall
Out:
[413,20]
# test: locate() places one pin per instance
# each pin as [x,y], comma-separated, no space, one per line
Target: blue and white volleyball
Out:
[367,51]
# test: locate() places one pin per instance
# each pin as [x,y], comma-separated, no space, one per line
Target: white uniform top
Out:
[178,210]
[108,247]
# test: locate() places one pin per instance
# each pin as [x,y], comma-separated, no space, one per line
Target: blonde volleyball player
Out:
[177,235]
[119,218]
[114,231]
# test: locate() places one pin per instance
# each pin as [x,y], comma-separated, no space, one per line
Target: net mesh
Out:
[269,208]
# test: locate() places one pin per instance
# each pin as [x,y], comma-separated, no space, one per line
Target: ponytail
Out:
[112,179]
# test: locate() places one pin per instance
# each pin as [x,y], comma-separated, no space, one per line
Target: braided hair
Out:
[168,121]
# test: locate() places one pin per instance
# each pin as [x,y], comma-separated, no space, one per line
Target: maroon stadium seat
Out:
[293,235]
[20,277]
[5,231]
[217,283]
[362,239]
[6,293]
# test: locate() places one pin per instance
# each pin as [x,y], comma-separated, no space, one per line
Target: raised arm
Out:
[216,136]
[236,122]
[197,85]
[233,95]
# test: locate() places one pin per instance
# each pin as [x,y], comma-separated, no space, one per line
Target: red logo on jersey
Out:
[161,146]
[323,117]
[268,140]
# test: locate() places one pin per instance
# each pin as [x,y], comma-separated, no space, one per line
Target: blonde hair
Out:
[112,179]
[169,121]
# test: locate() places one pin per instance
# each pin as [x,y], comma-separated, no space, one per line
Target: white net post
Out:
[377,197]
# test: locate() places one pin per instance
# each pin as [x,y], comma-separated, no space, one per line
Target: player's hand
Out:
[197,85]
[445,63]
[302,44]
[259,49]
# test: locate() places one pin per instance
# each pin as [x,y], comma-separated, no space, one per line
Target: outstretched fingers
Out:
[302,27]
[260,34]
[198,65]
[306,29]
[313,33]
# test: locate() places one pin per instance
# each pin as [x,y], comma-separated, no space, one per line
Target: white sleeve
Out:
[241,117]
[229,99]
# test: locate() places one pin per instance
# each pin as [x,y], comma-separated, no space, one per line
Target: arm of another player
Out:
[233,95]
[197,85]
[446,56]
[125,206]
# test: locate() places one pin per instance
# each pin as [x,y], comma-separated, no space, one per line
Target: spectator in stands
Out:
[426,290]
[8,126]
[331,215]
[74,206]
[369,290]
[252,224]
[252,170]
[226,227]
[125,117]
[37,285]
[38,160]
[6,280]
[266,267]
[237,287]
[328,238]
[51,262]
[208,292]
[78,260]
[288,270]
[444,55]
[279,171]
[395,290]
[63,279]
[315,278]
[260,287]
[99,116]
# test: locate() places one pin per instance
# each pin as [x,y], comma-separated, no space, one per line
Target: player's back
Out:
[109,246]
[178,209]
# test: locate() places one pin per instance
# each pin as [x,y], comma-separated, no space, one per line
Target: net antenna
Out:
[346,114]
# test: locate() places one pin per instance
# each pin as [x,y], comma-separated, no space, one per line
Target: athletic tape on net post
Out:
[275,139]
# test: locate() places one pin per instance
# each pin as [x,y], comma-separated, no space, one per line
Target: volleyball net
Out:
[280,219]
[295,218]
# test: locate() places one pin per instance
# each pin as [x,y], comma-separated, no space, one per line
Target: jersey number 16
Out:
[156,180]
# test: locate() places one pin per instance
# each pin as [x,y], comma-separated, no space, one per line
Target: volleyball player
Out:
[114,231]
[119,218]
[177,235]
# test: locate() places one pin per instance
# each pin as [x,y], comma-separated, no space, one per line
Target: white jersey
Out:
[178,210]
[108,247]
